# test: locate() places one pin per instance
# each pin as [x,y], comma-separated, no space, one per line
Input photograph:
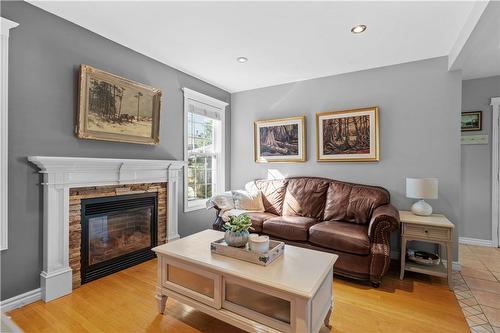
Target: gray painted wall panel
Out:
[476,160]
[45,54]
[419,126]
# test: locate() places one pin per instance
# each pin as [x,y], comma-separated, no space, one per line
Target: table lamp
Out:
[421,188]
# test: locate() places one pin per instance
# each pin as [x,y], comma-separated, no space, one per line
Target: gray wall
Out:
[419,126]
[45,54]
[476,161]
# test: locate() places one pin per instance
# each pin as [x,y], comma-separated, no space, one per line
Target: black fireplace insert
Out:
[117,232]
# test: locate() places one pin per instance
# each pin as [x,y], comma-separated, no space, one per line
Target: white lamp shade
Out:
[422,188]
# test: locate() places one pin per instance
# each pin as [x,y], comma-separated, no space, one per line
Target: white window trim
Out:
[495,172]
[221,162]
[6,25]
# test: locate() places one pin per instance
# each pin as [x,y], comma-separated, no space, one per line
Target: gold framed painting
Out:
[348,135]
[113,108]
[280,140]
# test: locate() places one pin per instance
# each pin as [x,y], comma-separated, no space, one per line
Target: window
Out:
[203,148]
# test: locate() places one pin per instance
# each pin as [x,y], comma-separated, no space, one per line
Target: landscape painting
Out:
[350,135]
[471,121]
[280,140]
[116,109]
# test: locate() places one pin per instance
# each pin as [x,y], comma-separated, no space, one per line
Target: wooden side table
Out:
[435,228]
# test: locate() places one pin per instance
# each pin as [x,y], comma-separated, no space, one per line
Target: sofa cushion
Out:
[341,236]
[258,218]
[305,197]
[273,194]
[245,200]
[288,227]
[353,203]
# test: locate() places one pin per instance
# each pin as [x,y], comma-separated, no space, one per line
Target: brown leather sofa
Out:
[351,220]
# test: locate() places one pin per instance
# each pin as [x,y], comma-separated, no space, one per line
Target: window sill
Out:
[193,208]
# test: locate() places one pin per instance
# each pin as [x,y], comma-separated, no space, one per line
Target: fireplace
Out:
[117,232]
[69,180]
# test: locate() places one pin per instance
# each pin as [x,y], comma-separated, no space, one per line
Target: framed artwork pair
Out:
[344,136]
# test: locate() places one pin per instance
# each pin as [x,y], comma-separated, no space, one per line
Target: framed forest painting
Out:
[113,108]
[280,140]
[349,135]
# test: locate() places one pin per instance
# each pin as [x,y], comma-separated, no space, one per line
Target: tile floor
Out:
[477,287]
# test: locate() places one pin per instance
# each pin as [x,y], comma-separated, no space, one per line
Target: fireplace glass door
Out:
[117,232]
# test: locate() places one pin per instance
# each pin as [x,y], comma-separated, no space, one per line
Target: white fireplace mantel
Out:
[63,173]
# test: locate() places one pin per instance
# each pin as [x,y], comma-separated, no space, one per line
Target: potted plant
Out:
[237,230]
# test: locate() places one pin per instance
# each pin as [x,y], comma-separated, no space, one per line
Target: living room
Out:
[250,166]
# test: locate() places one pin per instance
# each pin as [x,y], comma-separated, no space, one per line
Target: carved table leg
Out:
[162,301]
[327,318]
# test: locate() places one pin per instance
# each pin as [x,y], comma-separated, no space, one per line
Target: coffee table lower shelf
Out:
[222,314]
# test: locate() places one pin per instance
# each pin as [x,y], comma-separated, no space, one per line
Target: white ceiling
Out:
[284,41]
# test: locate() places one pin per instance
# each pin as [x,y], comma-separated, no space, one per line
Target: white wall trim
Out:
[21,300]
[6,25]
[61,174]
[495,172]
[475,241]
[220,106]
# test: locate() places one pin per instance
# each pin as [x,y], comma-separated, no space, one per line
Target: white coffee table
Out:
[292,294]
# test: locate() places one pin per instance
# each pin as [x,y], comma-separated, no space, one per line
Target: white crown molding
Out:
[62,173]
[21,300]
[6,25]
[475,241]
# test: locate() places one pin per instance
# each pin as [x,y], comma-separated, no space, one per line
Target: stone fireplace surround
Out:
[60,174]
[76,195]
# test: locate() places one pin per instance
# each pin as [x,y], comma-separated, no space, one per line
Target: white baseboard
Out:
[475,241]
[21,300]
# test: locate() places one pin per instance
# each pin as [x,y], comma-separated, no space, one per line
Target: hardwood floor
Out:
[124,302]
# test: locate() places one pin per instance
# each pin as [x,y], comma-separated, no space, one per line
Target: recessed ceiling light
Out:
[242,59]
[358,29]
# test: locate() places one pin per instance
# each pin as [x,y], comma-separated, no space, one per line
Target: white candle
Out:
[259,244]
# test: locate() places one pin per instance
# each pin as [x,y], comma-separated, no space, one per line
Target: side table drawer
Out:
[427,232]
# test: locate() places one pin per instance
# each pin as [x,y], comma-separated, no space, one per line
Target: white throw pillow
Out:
[251,201]
[224,201]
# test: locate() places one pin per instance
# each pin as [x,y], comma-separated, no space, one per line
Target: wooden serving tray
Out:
[276,249]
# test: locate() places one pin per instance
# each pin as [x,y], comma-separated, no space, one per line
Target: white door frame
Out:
[495,171]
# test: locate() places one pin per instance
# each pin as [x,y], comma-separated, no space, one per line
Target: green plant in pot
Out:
[237,230]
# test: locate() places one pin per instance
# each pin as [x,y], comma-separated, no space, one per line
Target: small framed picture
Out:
[472,121]
[348,136]
[280,140]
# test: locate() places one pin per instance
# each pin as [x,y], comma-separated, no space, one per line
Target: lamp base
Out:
[421,208]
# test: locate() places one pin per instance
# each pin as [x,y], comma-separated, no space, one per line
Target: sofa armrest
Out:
[385,218]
